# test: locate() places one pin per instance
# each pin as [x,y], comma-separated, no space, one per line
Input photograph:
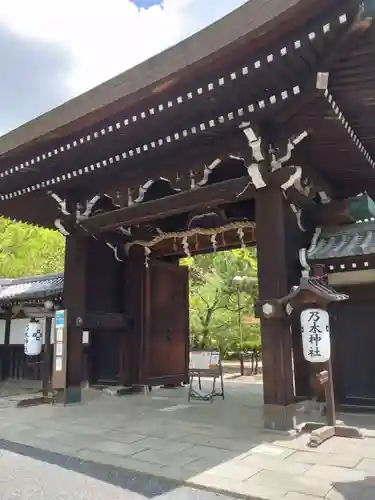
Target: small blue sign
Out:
[60,319]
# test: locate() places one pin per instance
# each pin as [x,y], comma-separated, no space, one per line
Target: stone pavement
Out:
[219,446]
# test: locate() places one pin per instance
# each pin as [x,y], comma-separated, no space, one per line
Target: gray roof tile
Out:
[352,240]
[31,288]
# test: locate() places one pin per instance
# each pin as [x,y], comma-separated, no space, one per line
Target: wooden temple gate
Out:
[239,135]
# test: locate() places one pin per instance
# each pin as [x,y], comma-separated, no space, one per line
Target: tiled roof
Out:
[317,286]
[31,288]
[324,290]
[346,241]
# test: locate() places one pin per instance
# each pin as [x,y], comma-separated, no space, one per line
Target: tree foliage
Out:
[27,250]
[221,308]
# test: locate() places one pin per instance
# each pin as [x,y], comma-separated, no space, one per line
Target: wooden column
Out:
[271,235]
[295,240]
[6,360]
[135,300]
[75,276]
[104,296]
[46,357]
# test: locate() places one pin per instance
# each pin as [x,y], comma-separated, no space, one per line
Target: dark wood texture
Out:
[103,321]
[332,214]
[295,239]
[14,365]
[133,343]
[47,357]
[167,335]
[5,366]
[75,281]
[222,192]
[105,356]
[273,283]
[353,343]
[103,315]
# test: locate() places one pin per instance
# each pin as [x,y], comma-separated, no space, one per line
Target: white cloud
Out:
[107,37]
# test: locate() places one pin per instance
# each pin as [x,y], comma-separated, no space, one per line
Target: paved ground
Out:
[30,473]
[218,446]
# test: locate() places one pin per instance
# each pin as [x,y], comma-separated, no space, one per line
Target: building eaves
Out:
[352,240]
[31,288]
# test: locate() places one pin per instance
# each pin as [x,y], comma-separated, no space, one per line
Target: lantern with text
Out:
[33,339]
[316,342]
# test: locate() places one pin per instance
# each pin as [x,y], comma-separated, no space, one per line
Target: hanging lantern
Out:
[316,343]
[33,338]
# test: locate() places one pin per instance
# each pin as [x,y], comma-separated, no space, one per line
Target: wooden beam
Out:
[102,321]
[215,194]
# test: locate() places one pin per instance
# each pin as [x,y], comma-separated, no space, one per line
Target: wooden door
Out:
[105,363]
[167,336]
[353,340]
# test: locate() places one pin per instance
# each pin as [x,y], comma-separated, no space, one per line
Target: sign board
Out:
[205,363]
[204,360]
[316,342]
[60,319]
[59,362]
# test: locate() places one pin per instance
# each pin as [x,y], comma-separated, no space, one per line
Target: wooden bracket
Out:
[269,309]
[103,321]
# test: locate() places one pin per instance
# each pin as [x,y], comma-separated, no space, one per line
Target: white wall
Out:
[17,331]
[2,331]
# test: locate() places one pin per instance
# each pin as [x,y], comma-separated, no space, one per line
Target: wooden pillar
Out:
[75,276]
[6,360]
[278,380]
[295,240]
[135,299]
[104,296]
[46,357]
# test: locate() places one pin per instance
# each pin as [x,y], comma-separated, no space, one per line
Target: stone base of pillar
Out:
[280,418]
[69,395]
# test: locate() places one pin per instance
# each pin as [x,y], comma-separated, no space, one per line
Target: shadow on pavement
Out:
[354,490]
[142,484]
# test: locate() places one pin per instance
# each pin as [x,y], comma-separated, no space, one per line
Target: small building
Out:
[347,254]
[19,297]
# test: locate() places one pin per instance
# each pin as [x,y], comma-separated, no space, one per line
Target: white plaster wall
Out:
[17,331]
[2,331]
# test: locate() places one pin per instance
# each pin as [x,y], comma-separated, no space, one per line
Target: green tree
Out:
[27,250]
[216,300]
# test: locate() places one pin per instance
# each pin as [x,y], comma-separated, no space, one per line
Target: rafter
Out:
[322,86]
[216,194]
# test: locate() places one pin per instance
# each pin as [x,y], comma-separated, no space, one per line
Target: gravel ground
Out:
[30,473]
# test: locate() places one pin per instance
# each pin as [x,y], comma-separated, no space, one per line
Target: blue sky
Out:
[52,51]
[146,3]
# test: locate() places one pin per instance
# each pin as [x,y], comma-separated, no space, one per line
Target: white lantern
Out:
[33,339]
[316,342]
